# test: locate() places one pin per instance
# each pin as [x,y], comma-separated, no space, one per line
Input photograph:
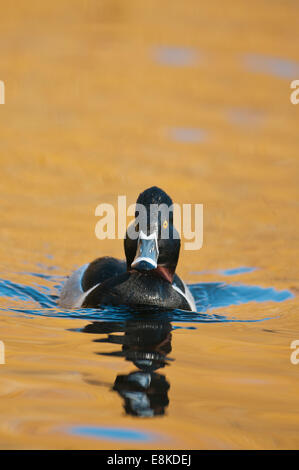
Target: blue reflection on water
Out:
[248,118]
[282,68]
[241,270]
[219,294]
[110,433]
[187,134]
[26,293]
[175,56]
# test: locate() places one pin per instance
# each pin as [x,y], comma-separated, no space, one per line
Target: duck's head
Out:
[152,243]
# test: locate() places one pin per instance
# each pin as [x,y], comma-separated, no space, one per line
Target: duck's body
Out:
[107,281]
[140,281]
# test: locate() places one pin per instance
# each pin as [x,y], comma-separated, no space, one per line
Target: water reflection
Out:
[187,134]
[146,344]
[176,56]
[277,66]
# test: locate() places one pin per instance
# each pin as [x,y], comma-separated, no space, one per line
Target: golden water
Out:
[90,114]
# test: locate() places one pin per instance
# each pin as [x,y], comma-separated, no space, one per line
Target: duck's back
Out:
[88,277]
[102,269]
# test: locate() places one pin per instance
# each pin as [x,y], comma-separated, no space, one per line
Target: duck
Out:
[147,277]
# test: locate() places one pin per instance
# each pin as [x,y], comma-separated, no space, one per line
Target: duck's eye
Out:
[165,224]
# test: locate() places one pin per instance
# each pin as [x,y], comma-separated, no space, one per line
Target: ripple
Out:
[247,118]
[279,67]
[209,296]
[228,272]
[176,56]
[112,434]
[187,134]
[212,295]
[234,271]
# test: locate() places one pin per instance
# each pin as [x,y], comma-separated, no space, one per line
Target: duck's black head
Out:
[152,243]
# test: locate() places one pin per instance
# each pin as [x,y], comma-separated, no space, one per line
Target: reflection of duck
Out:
[152,247]
[145,394]
[146,344]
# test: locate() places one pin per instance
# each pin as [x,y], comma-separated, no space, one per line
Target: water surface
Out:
[143,337]
[108,98]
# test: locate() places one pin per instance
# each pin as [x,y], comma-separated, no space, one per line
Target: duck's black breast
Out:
[136,289]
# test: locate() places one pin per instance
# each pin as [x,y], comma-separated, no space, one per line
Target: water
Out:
[234,271]
[185,134]
[246,118]
[113,434]
[143,337]
[125,95]
[176,56]
[276,66]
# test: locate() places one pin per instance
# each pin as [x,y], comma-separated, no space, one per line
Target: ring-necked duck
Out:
[147,278]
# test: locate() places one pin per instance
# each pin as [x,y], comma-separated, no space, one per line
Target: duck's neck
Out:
[165,273]
[161,271]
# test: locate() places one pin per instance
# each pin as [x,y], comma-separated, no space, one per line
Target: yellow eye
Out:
[165,224]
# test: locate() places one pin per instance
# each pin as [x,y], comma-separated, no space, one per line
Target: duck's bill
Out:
[147,253]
